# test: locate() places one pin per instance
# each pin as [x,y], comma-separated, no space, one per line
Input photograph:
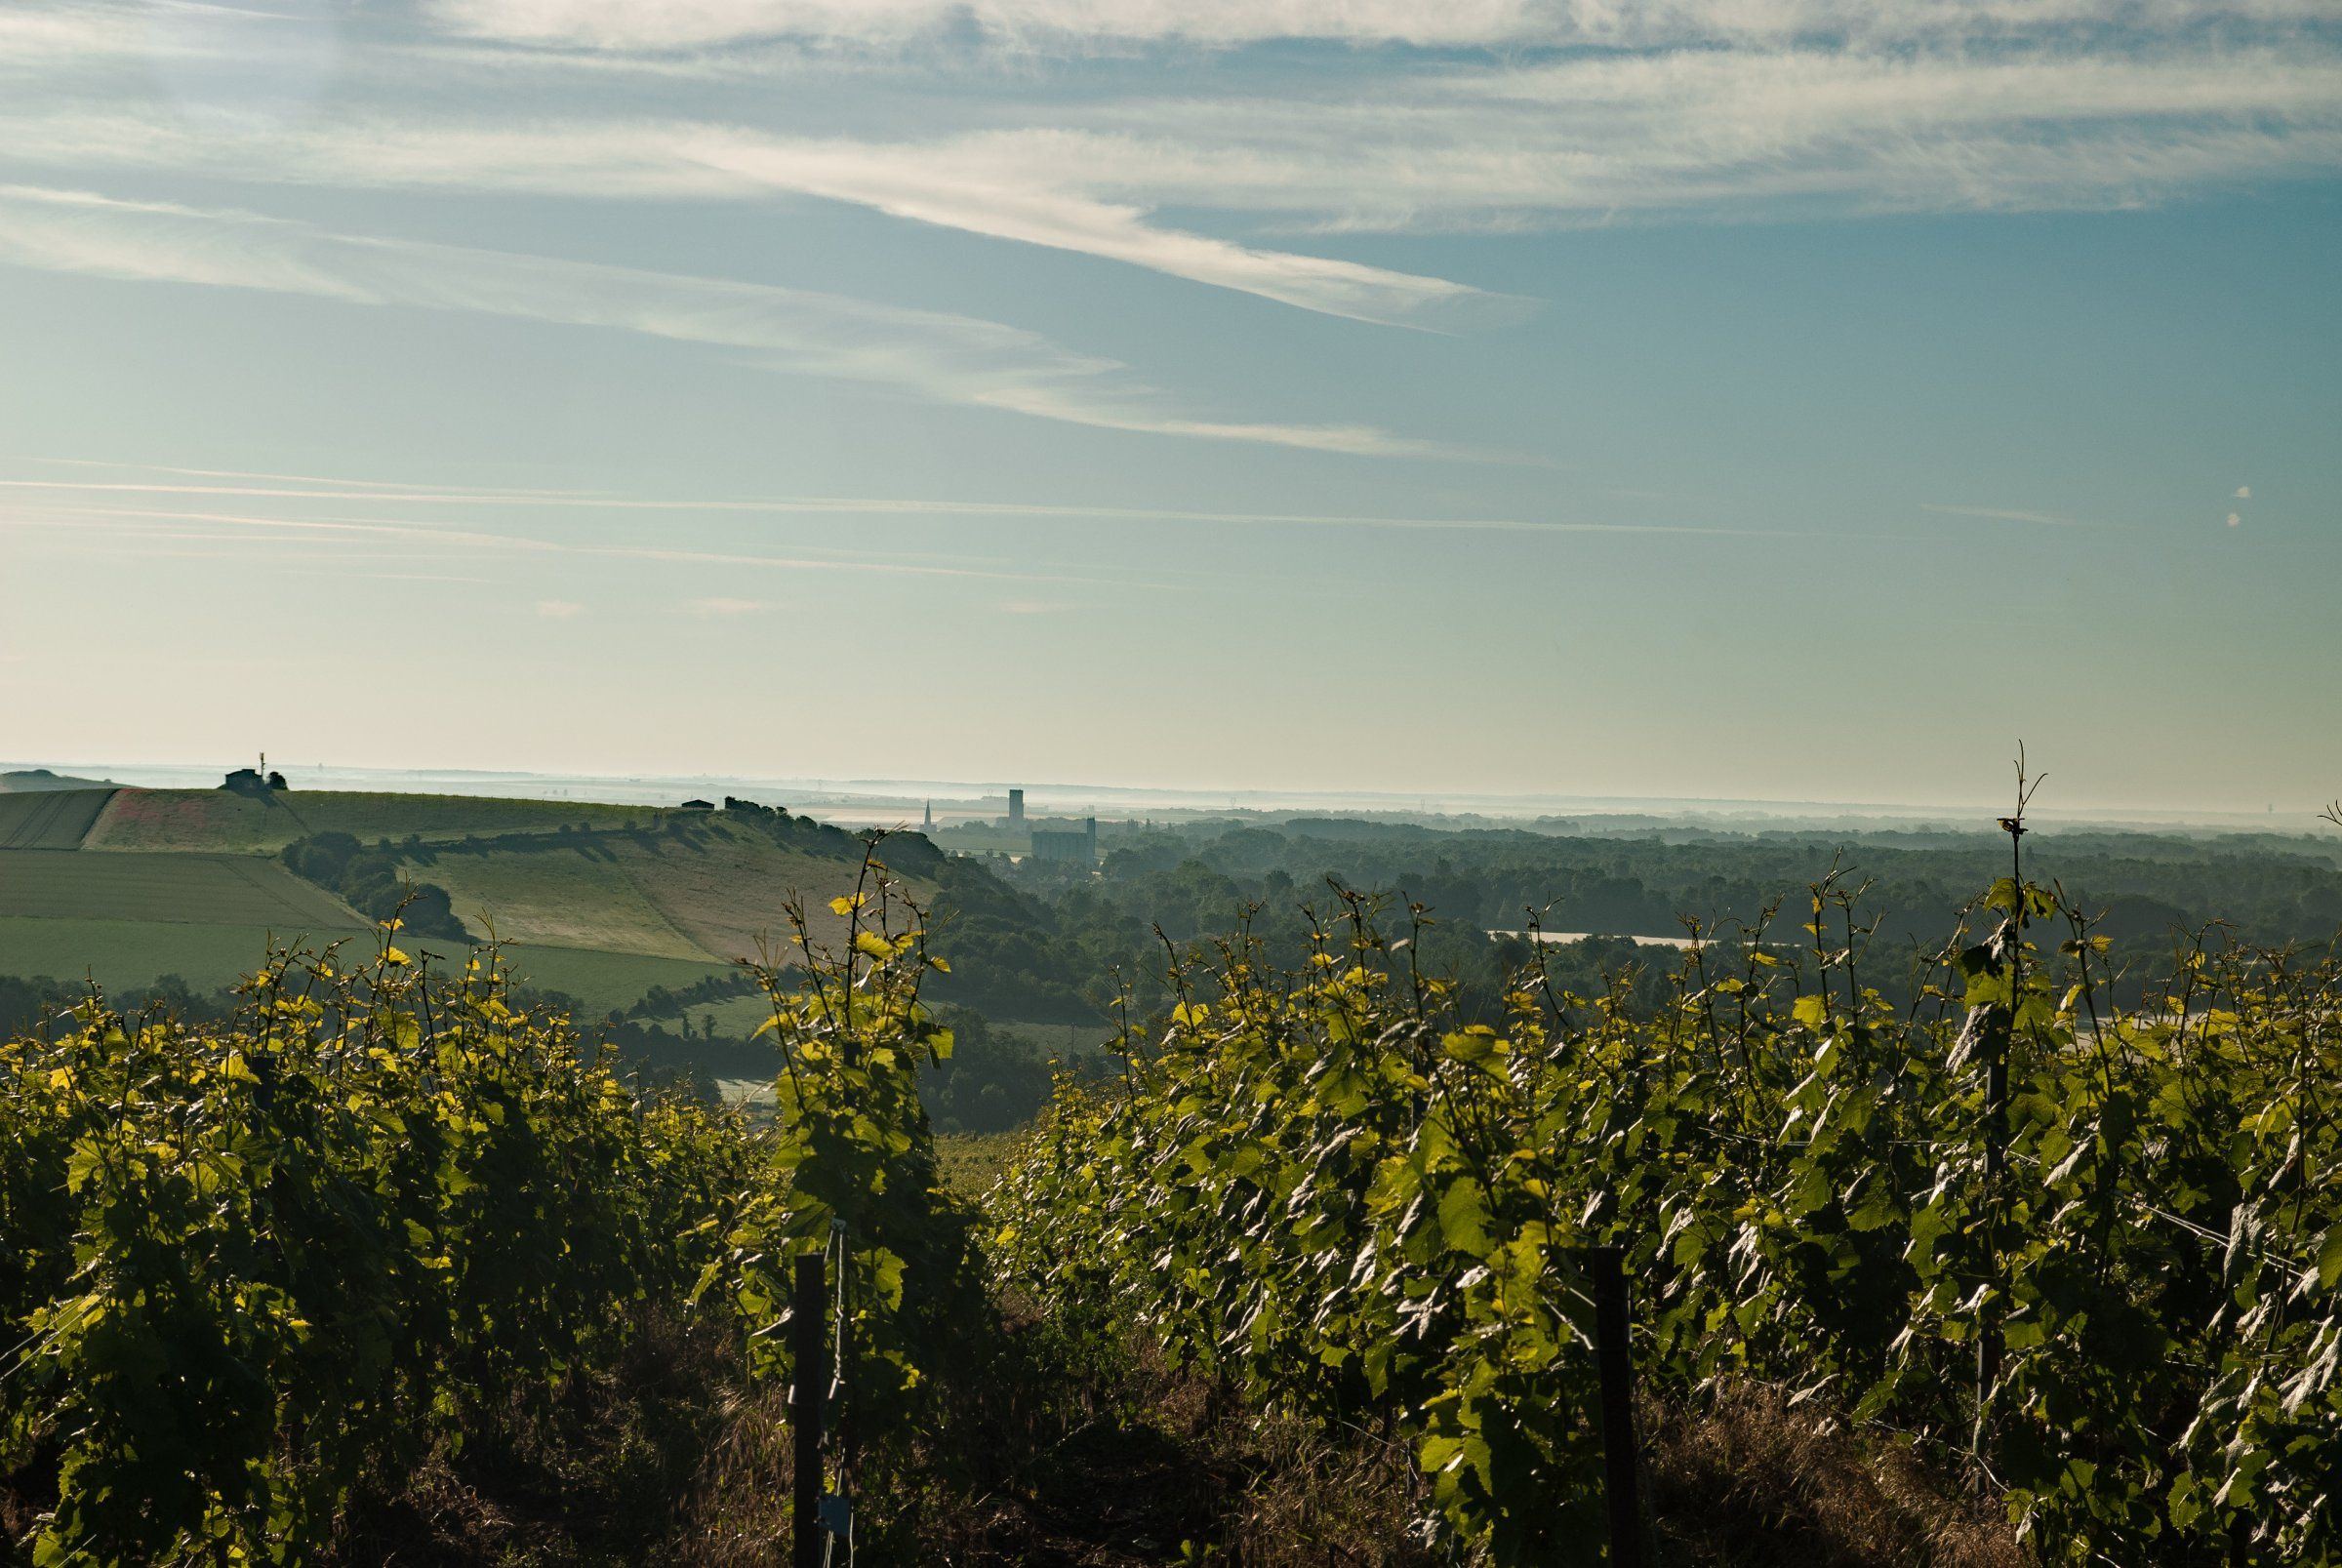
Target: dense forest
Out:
[1050,944]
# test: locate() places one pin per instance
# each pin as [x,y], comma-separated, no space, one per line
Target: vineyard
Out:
[247,1269]
[2078,1264]
[2087,1263]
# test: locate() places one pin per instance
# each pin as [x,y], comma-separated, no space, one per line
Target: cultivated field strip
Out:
[50,818]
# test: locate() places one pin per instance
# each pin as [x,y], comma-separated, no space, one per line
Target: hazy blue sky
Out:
[1756,398]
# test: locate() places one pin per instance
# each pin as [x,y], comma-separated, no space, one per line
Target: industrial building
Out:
[1074,847]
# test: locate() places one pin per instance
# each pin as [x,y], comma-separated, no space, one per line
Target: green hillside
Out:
[602,981]
[703,886]
[225,820]
[556,893]
[124,955]
[235,890]
[600,903]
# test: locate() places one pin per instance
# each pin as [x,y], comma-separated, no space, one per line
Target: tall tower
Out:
[1016,808]
[929,824]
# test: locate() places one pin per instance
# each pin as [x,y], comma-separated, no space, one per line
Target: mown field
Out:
[710,890]
[563,894]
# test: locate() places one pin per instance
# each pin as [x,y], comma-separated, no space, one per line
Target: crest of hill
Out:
[35,780]
[696,885]
[603,903]
[233,822]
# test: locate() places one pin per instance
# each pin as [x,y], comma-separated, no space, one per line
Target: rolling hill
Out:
[602,902]
[226,820]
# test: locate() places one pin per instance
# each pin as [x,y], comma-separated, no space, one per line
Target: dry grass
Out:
[1746,1480]
[736,1514]
[667,1457]
[1105,1455]
[1056,1450]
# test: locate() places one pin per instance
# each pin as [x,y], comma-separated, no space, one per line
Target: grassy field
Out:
[728,888]
[563,894]
[602,981]
[225,820]
[712,890]
[600,903]
[49,819]
[971,1162]
[125,953]
[231,890]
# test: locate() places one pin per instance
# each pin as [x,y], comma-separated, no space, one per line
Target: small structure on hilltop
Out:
[699,805]
[254,781]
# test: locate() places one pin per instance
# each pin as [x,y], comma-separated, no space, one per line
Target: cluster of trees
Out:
[2269,887]
[663,1001]
[374,882]
[32,1004]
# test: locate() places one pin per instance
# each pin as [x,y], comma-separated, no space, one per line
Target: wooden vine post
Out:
[808,1391]
[1613,1358]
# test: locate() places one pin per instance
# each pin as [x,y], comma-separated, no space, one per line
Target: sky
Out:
[1763,399]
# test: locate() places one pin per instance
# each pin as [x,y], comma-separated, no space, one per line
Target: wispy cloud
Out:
[2007,515]
[1002,187]
[852,506]
[336,486]
[412,541]
[560,609]
[968,185]
[2244,492]
[717,608]
[1083,25]
[1715,109]
[947,358]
